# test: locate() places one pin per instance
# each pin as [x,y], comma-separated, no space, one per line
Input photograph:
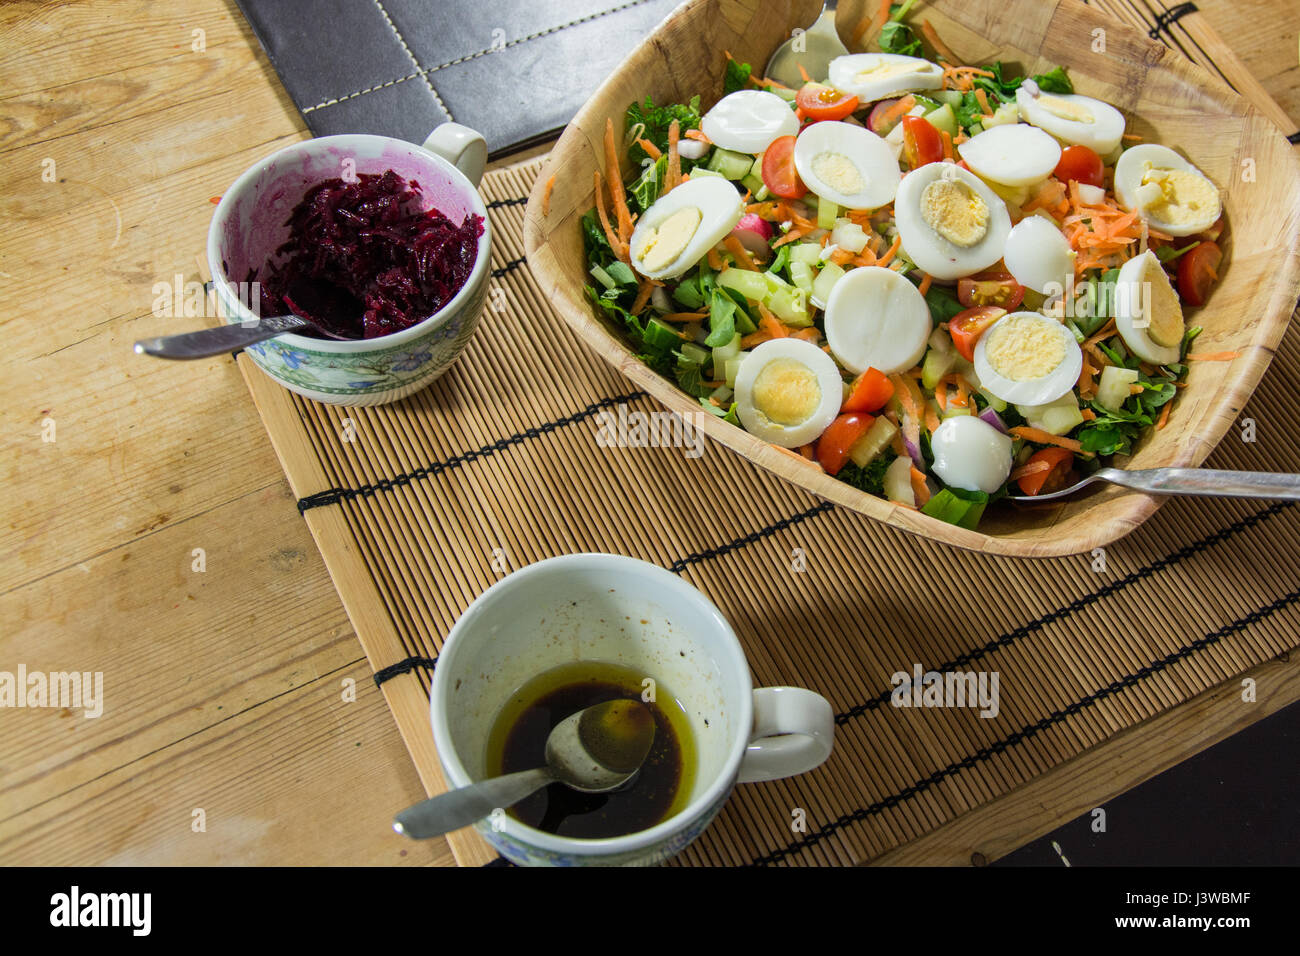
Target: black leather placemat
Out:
[516,70]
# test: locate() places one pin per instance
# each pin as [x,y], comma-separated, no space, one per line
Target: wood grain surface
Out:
[224,688]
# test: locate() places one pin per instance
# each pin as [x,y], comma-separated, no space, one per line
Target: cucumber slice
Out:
[943,119]
[660,335]
[875,441]
[827,213]
[730,163]
[695,354]
[752,285]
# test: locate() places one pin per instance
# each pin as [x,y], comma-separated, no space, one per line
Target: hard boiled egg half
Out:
[787,392]
[1072,118]
[1166,190]
[951,223]
[847,164]
[1038,256]
[680,228]
[1028,359]
[970,453]
[1147,311]
[875,76]
[749,120]
[1014,154]
[875,318]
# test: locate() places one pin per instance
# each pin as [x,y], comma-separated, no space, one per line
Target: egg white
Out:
[828,379]
[901,74]
[1014,154]
[1128,178]
[749,120]
[1038,255]
[970,453]
[1103,134]
[874,160]
[1130,298]
[720,209]
[1036,391]
[875,318]
[931,251]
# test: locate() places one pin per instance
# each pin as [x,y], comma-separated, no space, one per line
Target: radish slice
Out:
[754,234]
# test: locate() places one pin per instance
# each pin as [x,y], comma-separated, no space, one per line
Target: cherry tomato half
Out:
[820,102]
[967,327]
[869,392]
[922,143]
[1081,164]
[990,288]
[1052,478]
[841,435]
[779,174]
[1198,271]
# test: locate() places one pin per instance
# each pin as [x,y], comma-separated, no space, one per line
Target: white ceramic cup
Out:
[250,224]
[591,607]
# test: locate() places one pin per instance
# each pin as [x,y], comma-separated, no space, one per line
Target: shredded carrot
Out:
[683,316]
[1029,468]
[674,176]
[1088,414]
[807,452]
[614,175]
[797,232]
[770,323]
[941,395]
[642,296]
[615,243]
[715,260]
[546,196]
[1132,136]
[697,135]
[1163,420]
[926,280]
[650,148]
[947,143]
[804,73]
[962,399]
[1105,332]
[740,254]
[983,100]
[809,334]
[1040,437]
[1213,356]
[939,46]
[865,258]
[842,257]
[900,108]
[919,488]
[755,338]
[893,251]
[1136,389]
[868,29]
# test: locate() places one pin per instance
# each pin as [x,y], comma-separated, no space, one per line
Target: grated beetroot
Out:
[365,261]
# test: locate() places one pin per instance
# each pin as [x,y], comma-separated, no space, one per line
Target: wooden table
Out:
[240,721]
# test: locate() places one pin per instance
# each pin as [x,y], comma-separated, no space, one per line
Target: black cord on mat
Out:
[1171,16]
[403,667]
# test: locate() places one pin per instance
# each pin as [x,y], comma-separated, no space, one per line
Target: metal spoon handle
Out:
[206,343]
[459,808]
[1207,482]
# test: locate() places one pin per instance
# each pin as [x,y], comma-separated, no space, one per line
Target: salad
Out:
[940,282]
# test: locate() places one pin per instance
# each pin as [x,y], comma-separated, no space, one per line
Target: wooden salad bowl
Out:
[1166,100]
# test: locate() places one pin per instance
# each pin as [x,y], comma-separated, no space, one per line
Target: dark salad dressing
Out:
[518,742]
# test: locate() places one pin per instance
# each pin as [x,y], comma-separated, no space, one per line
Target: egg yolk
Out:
[1023,349]
[955,211]
[1162,311]
[1177,196]
[837,171]
[787,392]
[665,243]
[1066,110]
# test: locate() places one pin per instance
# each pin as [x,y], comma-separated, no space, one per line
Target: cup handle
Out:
[794,731]
[461,146]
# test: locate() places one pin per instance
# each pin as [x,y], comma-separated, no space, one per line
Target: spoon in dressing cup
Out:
[596,750]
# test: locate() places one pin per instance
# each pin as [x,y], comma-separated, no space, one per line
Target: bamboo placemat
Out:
[419,506]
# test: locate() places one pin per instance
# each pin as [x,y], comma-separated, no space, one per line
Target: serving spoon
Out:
[595,750]
[821,43]
[336,311]
[1204,482]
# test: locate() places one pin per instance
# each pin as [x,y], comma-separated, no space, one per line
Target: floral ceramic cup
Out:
[249,225]
[605,607]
